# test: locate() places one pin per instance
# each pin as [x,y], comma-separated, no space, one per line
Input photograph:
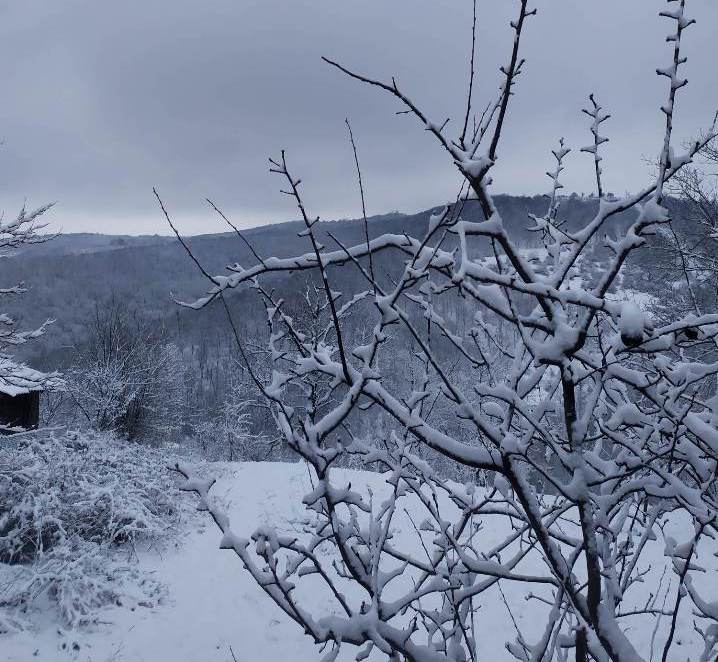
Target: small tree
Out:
[16,377]
[692,246]
[228,432]
[127,377]
[597,430]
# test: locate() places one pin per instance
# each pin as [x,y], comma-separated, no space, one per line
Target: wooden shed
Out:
[20,389]
[21,410]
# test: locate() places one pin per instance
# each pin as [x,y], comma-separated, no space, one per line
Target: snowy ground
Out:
[213,604]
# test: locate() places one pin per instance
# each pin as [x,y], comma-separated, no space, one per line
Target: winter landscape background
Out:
[483,430]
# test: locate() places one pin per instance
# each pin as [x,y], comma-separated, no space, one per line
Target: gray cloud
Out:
[103,100]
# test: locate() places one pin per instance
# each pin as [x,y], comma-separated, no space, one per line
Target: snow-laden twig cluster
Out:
[595,429]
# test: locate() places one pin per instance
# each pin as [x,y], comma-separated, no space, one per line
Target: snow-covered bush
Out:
[595,430]
[690,250]
[67,506]
[126,377]
[227,432]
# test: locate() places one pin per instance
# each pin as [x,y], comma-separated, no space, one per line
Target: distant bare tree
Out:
[596,429]
[693,243]
[227,433]
[126,377]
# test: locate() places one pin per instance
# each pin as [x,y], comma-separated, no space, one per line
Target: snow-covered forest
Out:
[487,430]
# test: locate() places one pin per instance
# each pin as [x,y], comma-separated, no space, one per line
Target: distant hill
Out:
[87,242]
[69,275]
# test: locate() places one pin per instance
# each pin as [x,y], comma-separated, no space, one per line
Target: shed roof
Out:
[17,378]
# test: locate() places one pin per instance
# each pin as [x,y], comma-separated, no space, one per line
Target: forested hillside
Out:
[68,277]
[90,283]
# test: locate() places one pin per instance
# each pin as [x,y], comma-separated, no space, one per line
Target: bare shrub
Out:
[67,505]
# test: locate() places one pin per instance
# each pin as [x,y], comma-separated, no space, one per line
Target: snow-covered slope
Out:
[214,609]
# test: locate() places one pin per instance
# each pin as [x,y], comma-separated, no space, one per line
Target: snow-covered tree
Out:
[692,246]
[16,377]
[596,429]
[127,377]
[227,432]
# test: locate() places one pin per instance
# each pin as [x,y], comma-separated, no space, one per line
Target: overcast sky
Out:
[103,100]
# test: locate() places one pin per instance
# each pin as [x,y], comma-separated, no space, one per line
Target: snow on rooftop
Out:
[18,379]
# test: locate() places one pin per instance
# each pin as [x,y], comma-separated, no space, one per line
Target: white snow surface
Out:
[214,604]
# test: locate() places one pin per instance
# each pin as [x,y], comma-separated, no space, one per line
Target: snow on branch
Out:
[533,437]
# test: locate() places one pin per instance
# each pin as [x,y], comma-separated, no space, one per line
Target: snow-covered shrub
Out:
[126,377]
[67,505]
[78,578]
[227,432]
